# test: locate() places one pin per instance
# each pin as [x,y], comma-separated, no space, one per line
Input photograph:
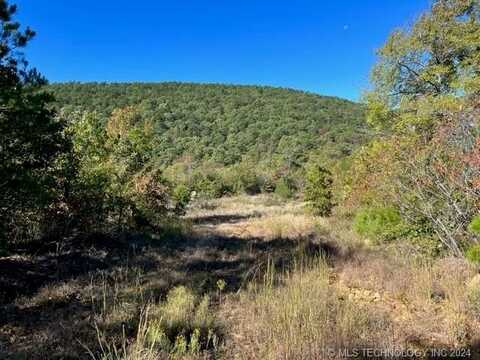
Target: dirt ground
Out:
[46,306]
[53,300]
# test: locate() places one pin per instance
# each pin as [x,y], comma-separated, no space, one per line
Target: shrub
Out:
[246,180]
[148,194]
[178,308]
[474,226]
[181,196]
[284,188]
[318,190]
[380,223]
[425,244]
[473,253]
[210,184]
[267,183]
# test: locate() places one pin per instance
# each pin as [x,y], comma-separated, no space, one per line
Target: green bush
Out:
[210,184]
[268,185]
[424,244]
[181,196]
[318,190]
[474,226]
[473,253]
[285,188]
[379,224]
[245,179]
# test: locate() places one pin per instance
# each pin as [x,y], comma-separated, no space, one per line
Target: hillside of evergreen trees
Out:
[226,123]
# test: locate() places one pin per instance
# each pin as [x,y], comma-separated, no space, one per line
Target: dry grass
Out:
[339,229]
[260,216]
[430,303]
[303,318]
[366,297]
[164,302]
[248,206]
[283,226]
[183,326]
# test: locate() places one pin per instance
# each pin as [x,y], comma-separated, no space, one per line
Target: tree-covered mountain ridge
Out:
[225,123]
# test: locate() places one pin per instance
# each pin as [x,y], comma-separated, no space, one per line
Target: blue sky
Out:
[327,47]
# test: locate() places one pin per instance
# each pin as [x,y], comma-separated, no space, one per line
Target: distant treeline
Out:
[225,123]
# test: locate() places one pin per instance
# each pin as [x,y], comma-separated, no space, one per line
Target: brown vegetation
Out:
[250,277]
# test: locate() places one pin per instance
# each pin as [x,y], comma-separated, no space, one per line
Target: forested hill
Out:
[223,123]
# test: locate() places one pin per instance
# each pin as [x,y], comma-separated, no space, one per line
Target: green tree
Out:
[285,187]
[115,171]
[91,174]
[318,190]
[428,69]
[424,99]
[31,138]
[226,124]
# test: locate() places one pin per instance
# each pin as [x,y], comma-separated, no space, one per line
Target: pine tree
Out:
[30,137]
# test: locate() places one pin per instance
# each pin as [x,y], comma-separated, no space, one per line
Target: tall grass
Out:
[138,348]
[298,314]
[183,325]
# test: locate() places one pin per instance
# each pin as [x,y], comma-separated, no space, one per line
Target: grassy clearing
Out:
[432,304]
[302,318]
[246,278]
[360,297]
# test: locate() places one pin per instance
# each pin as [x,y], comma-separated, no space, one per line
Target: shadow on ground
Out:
[223,218]
[31,329]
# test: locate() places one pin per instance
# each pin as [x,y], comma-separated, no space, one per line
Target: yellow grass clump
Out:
[303,318]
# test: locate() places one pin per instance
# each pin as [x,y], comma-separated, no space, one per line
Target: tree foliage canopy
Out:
[31,139]
[426,70]
[425,99]
[222,123]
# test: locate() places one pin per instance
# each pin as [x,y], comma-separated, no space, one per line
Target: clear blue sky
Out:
[322,46]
